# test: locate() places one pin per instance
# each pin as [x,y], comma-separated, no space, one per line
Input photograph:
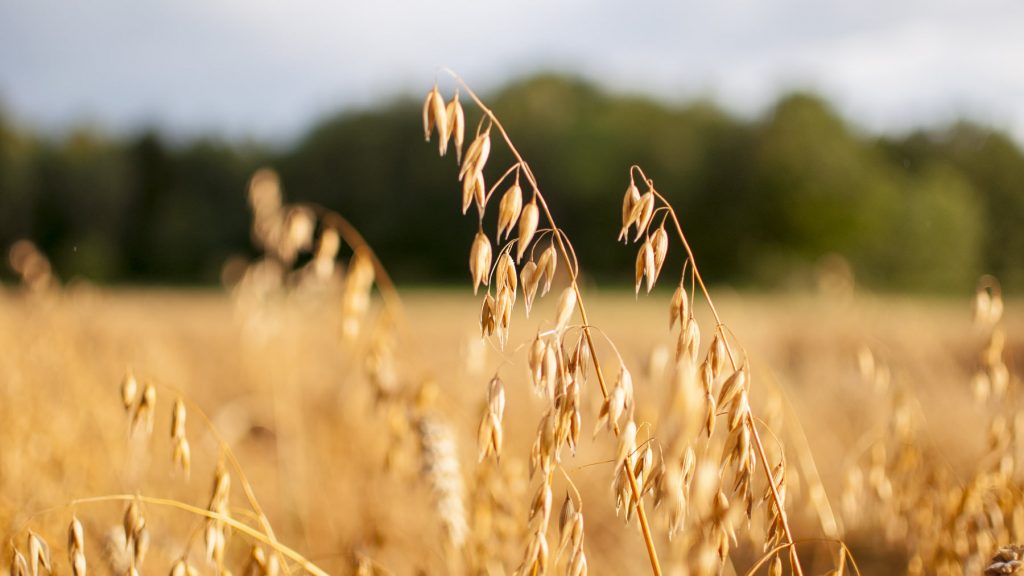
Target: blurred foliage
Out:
[764,201]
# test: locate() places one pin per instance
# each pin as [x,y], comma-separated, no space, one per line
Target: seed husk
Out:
[480,261]
[566,306]
[527,227]
[509,209]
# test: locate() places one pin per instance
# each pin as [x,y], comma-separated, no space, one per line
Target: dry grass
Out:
[313,419]
[320,478]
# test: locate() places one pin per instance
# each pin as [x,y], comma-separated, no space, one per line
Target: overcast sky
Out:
[270,68]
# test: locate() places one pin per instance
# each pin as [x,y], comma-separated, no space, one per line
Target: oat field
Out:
[313,417]
[295,406]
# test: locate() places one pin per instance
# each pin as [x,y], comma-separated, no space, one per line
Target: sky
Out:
[270,69]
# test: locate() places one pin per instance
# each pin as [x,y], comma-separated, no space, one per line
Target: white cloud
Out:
[268,68]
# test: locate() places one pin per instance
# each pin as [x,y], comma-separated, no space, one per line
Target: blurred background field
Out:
[299,412]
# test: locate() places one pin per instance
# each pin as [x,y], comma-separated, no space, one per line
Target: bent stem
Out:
[565,249]
[720,328]
[241,527]
[348,232]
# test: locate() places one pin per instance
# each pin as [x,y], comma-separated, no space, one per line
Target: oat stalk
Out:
[720,330]
[568,255]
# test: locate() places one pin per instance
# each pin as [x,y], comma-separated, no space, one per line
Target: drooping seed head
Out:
[540,510]
[548,264]
[468,191]
[480,261]
[496,397]
[456,124]
[145,409]
[489,436]
[476,155]
[641,267]
[629,201]
[650,266]
[19,567]
[479,191]
[678,309]
[434,116]
[221,490]
[659,242]
[178,416]
[643,211]
[129,388]
[733,385]
[535,360]
[528,220]
[132,522]
[38,554]
[140,545]
[531,280]
[627,443]
[487,316]
[566,307]
[509,210]
[76,535]
[717,354]
[506,274]
[440,116]
[566,516]
[428,113]
[182,456]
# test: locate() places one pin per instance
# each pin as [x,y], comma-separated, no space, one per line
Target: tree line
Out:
[765,201]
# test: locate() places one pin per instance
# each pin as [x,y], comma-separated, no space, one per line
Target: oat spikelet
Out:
[19,567]
[38,554]
[546,266]
[487,317]
[629,201]
[659,244]
[679,307]
[480,261]
[506,275]
[129,388]
[641,266]
[642,214]
[566,307]
[490,434]
[434,116]
[456,126]
[509,210]
[145,409]
[476,155]
[531,277]
[178,417]
[527,227]
[618,404]
[76,547]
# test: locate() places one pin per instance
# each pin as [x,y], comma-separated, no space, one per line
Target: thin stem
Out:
[348,232]
[241,527]
[494,187]
[573,280]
